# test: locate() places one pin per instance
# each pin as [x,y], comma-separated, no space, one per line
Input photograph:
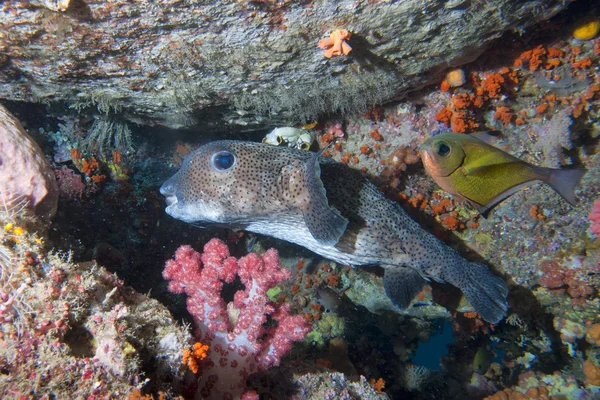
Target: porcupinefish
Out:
[467,166]
[328,208]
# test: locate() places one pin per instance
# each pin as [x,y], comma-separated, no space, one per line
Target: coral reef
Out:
[72,329]
[75,330]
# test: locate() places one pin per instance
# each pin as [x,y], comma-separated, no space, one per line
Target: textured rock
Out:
[24,172]
[172,62]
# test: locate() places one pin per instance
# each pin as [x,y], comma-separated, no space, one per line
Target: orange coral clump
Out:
[441,207]
[462,122]
[189,361]
[461,100]
[536,212]
[591,372]
[89,166]
[191,357]
[552,63]
[583,63]
[376,135]
[493,85]
[200,351]
[537,57]
[444,116]
[541,108]
[555,52]
[445,86]
[332,280]
[335,44]
[418,201]
[378,384]
[116,158]
[300,264]
[453,223]
[364,149]
[593,335]
[76,154]
[98,178]
[503,114]
[457,115]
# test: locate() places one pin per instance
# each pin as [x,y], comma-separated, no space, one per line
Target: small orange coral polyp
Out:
[335,44]
[456,78]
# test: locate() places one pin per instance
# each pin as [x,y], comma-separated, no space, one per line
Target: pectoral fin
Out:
[325,223]
[401,285]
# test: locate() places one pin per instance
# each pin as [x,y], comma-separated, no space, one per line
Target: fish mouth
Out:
[170,200]
[169,194]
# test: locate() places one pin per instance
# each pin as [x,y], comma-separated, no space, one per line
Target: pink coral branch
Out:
[243,346]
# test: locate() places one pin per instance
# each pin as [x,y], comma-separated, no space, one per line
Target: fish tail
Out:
[564,182]
[485,291]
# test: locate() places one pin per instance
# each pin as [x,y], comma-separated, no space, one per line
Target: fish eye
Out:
[304,146]
[222,160]
[279,139]
[442,149]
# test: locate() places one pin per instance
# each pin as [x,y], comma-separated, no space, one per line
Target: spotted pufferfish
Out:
[329,208]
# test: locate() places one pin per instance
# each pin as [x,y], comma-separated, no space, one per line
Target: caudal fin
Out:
[486,292]
[564,182]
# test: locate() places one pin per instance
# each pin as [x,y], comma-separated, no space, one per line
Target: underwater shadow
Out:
[528,308]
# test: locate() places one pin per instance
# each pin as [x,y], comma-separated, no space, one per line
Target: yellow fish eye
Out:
[443,149]
[279,139]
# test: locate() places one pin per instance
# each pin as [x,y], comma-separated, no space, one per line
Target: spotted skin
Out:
[330,209]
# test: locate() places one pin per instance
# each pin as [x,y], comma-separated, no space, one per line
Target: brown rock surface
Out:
[172,62]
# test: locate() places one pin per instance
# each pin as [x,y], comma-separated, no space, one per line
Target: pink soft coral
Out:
[239,343]
[335,44]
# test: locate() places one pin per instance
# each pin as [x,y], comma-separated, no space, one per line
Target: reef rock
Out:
[172,62]
[26,177]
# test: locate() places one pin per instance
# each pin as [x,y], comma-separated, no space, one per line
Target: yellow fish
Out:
[467,166]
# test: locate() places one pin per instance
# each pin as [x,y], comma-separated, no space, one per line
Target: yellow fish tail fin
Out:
[564,182]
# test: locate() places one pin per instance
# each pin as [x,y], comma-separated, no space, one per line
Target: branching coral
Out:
[335,44]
